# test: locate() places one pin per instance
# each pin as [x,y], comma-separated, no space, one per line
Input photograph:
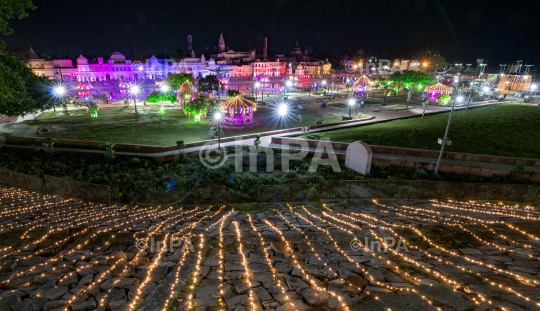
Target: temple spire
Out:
[221,43]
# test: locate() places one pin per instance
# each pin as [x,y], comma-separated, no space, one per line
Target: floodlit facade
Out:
[117,67]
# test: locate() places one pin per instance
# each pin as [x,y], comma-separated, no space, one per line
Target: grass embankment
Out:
[121,125]
[511,130]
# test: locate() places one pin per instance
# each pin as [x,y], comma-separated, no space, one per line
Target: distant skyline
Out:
[462,31]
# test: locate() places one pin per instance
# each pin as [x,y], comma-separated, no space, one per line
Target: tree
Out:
[463,84]
[175,80]
[233,93]
[440,62]
[10,9]
[21,91]
[209,84]
[410,78]
[157,96]
[196,108]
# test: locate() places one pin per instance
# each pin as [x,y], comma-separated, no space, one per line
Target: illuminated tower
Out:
[190,45]
[265,51]
[221,43]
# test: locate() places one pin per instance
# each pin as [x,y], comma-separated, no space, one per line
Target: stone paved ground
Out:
[61,254]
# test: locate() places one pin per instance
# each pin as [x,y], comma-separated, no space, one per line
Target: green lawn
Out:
[511,130]
[119,126]
[396,107]
[339,105]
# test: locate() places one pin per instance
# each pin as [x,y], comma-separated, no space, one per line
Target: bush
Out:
[233,93]
[157,96]
[290,174]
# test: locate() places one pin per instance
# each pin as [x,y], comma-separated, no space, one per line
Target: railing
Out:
[324,191]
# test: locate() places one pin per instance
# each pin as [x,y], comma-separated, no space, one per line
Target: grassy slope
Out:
[117,126]
[506,130]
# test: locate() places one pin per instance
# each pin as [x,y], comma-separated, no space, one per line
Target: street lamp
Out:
[288,83]
[485,89]
[59,92]
[135,90]
[218,116]
[351,103]
[427,97]
[257,85]
[282,112]
[458,99]
[164,89]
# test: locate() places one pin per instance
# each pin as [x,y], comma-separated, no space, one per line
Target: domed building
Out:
[117,57]
[81,60]
[153,60]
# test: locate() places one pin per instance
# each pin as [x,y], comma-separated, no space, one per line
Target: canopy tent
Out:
[439,88]
[238,111]
[362,84]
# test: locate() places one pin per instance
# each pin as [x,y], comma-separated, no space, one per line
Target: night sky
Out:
[462,31]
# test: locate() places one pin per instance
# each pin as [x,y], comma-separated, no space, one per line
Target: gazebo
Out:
[362,84]
[439,88]
[238,111]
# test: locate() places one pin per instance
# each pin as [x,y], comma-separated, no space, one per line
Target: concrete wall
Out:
[460,168]
[454,155]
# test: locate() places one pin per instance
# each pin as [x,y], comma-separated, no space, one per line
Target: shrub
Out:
[109,151]
[233,93]
[49,145]
[290,174]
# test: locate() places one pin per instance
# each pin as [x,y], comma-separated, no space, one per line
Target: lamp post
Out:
[219,71]
[59,92]
[485,89]
[288,84]
[218,116]
[427,98]
[459,99]
[479,61]
[533,88]
[332,91]
[257,85]
[282,112]
[351,104]
[164,89]
[135,90]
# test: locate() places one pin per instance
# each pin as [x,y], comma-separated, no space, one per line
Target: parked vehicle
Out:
[515,93]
